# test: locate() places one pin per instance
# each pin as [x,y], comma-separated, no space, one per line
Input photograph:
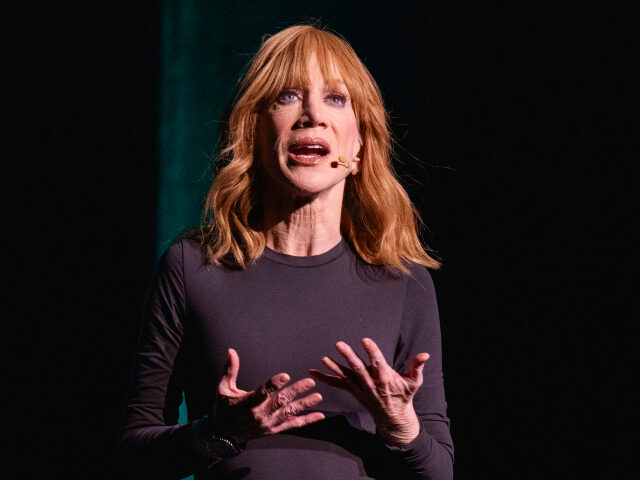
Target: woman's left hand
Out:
[385,393]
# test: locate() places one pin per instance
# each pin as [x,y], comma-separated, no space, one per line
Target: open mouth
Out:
[308,151]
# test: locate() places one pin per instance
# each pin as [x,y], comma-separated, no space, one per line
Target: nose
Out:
[312,113]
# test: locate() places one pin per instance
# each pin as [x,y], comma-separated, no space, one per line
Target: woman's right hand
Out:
[272,408]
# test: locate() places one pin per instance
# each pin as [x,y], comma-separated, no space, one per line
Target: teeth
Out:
[319,150]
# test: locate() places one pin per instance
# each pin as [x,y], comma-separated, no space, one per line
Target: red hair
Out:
[377,218]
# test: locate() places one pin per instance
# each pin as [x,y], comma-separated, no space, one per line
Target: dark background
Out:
[519,115]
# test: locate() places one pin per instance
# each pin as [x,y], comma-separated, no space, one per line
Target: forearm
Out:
[165,452]
[400,430]
[424,458]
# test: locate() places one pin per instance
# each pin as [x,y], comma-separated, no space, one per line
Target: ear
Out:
[358,152]
[355,165]
[356,156]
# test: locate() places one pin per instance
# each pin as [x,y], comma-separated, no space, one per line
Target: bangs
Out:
[285,63]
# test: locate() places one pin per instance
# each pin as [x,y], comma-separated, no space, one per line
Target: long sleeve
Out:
[280,314]
[153,444]
[430,455]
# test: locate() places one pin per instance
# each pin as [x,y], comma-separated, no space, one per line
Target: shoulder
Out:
[420,275]
[420,284]
[183,254]
[416,277]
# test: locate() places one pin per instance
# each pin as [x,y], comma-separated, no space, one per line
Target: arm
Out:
[405,399]
[430,454]
[153,446]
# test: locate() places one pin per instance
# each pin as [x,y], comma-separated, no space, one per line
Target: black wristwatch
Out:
[222,447]
[216,446]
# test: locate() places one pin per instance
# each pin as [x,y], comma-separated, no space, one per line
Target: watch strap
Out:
[212,445]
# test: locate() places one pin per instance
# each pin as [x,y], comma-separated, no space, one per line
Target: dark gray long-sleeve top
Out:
[282,314]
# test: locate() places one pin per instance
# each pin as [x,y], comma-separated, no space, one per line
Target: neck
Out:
[302,226]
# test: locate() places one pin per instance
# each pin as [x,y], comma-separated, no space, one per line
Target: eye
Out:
[337,99]
[288,96]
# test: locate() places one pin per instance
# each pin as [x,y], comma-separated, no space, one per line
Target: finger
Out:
[336,368]
[330,380]
[417,365]
[297,422]
[287,394]
[294,408]
[232,368]
[379,366]
[357,365]
[345,373]
[268,388]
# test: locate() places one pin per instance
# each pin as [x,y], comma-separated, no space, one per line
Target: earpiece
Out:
[347,164]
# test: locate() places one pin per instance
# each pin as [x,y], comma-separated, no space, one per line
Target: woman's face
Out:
[302,134]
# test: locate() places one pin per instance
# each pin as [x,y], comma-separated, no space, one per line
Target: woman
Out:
[309,244]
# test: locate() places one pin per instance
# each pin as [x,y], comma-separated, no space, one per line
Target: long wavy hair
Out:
[377,218]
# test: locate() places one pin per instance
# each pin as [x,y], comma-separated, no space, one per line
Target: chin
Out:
[292,180]
[309,184]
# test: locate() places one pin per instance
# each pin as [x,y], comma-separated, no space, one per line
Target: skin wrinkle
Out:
[303,204]
[390,402]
